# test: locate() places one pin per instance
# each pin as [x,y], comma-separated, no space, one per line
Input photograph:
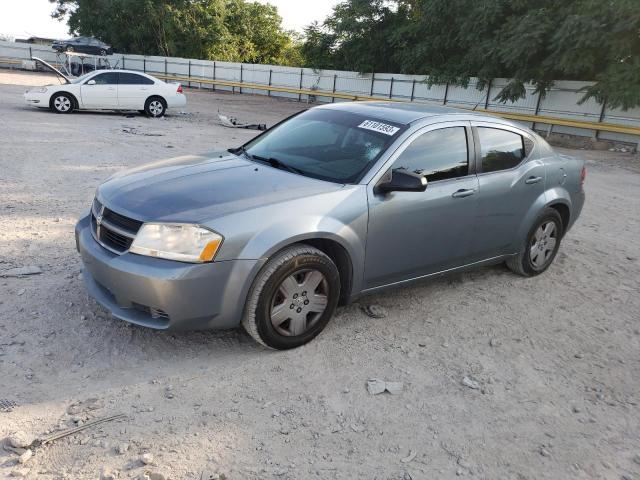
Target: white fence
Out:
[560,102]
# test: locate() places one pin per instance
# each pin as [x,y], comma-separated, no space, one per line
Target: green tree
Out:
[536,41]
[227,30]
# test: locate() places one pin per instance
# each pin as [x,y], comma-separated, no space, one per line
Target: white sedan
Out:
[109,90]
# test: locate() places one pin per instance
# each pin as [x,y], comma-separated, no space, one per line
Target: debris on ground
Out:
[85,405]
[408,458]
[26,456]
[374,311]
[146,458]
[20,472]
[109,474]
[468,382]
[376,386]
[233,122]
[134,131]
[21,271]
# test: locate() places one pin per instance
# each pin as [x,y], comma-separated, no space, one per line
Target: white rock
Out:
[122,448]
[146,458]
[20,439]
[109,474]
[20,472]
[26,456]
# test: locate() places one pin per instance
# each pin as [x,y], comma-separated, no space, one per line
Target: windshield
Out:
[82,78]
[326,144]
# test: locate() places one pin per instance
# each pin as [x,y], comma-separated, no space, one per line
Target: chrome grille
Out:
[113,231]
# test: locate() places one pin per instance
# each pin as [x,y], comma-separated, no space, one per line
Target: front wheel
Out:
[293,298]
[155,107]
[540,247]
[61,103]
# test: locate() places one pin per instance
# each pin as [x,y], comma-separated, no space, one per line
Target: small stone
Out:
[422,344]
[409,457]
[468,382]
[146,458]
[374,311]
[544,452]
[122,448]
[109,474]
[460,472]
[636,459]
[26,456]
[20,439]
[579,355]
[494,342]
[155,476]
[575,409]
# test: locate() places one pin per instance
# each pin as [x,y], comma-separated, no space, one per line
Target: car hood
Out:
[201,188]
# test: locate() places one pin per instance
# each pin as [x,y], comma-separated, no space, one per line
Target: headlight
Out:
[174,241]
[38,90]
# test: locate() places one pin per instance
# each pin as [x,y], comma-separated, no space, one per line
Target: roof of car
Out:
[398,112]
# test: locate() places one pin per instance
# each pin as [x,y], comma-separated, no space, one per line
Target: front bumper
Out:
[36,99]
[164,294]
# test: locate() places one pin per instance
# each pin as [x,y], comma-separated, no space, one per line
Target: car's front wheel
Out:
[541,245]
[293,298]
[103,53]
[155,107]
[61,103]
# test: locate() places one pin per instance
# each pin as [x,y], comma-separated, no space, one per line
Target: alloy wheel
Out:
[156,108]
[299,302]
[543,244]
[62,103]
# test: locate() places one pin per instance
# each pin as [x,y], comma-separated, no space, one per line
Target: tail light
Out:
[583,175]
[179,88]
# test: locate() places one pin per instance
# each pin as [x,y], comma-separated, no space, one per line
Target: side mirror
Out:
[91,82]
[400,180]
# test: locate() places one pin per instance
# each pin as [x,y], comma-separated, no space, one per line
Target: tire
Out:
[68,48]
[540,247]
[62,103]
[155,107]
[103,53]
[280,312]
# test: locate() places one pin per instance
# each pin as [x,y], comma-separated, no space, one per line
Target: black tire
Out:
[297,260]
[103,53]
[152,107]
[62,102]
[523,263]
[68,48]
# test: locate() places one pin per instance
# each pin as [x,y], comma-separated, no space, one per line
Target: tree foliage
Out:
[226,30]
[536,41]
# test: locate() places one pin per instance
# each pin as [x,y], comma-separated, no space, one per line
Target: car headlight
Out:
[175,241]
[38,90]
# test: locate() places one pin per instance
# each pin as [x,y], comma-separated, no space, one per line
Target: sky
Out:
[25,18]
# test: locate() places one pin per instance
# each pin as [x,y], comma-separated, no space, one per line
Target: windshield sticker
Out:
[379,127]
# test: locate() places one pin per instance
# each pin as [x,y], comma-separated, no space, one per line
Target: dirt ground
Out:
[556,357]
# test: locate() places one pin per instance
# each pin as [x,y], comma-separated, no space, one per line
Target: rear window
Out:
[500,149]
[327,144]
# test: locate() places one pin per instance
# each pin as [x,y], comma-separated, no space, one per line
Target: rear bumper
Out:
[164,294]
[177,100]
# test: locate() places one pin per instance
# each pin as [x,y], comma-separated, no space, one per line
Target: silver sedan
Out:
[331,204]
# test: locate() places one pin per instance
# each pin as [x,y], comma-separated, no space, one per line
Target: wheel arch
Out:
[74,99]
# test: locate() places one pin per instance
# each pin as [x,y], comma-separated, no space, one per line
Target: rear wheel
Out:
[293,298]
[62,103]
[69,48]
[540,247]
[103,53]
[155,107]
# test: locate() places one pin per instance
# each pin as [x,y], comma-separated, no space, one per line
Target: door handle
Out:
[464,192]
[532,180]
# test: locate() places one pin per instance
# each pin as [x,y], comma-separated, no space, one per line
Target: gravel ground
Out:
[555,358]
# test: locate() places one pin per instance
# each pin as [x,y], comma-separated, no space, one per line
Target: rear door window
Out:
[439,154]
[133,79]
[500,149]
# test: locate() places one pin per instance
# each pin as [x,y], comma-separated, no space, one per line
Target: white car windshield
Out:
[82,78]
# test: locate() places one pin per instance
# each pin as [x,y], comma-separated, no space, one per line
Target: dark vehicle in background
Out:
[89,45]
